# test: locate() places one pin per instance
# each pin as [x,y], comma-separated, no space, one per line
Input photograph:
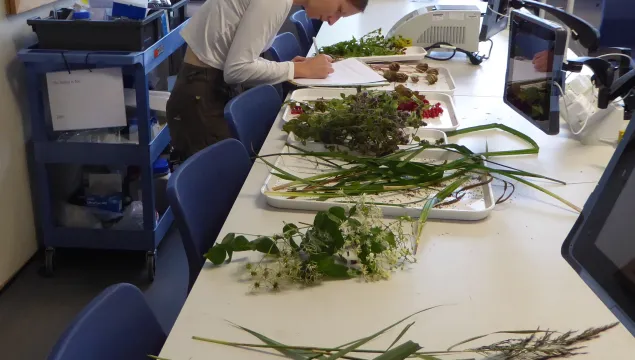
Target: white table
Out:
[503,273]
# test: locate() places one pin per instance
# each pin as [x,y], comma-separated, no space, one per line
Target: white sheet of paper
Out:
[346,72]
[524,70]
[85,99]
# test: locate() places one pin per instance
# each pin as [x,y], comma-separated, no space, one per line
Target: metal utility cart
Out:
[46,150]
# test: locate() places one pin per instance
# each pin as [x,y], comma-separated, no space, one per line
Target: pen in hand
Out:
[315,47]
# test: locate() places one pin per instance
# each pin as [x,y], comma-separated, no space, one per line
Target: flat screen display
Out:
[534,63]
[495,19]
[601,246]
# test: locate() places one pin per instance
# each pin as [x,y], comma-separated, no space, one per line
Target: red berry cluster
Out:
[297,110]
[432,112]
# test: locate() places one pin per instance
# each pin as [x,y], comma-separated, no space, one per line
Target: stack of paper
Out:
[349,72]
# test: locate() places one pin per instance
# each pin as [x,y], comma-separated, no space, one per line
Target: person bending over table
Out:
[224,41]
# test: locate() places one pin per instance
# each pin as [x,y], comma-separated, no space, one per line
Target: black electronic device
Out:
[536,54]
[495,19]
[601,245]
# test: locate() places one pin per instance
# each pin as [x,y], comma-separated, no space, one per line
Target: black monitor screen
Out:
[616,240]
[495,19]
[601,246]
[535,61]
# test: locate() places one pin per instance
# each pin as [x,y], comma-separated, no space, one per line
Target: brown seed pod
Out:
[394,66]
[432,78]
[433,71]
[422,67]
[403,91]
[390,75]
[401,77]
[414,78]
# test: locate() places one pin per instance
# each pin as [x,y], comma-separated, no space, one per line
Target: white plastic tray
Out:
[476,204]
[413,53]
[446,122]
[445,83]
[430,135]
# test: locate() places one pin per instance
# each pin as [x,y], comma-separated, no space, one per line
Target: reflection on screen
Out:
[617,237]
[530,67]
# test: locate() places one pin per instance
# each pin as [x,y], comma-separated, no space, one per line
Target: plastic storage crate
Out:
[176,13]
[98,35]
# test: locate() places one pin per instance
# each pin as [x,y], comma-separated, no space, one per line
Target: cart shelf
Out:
[45,149]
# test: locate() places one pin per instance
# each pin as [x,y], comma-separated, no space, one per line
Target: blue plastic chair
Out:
[251,114]
[285,47]
[305,30]
[201,192]
[317,25]
[117,324]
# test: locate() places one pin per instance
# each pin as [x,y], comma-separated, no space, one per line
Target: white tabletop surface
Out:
[503,273]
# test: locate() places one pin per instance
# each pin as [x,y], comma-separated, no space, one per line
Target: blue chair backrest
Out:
[201,192]
[305,30]
[616,27]
[117,324]
[251,114]
[285,47]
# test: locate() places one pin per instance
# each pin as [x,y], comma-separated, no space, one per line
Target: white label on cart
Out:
[457,15]
[438,17]
[86,99]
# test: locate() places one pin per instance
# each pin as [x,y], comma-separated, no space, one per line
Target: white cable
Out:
[616,54]
[566,111]
[496,12]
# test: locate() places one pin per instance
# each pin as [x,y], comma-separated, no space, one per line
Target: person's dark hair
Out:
[359,4]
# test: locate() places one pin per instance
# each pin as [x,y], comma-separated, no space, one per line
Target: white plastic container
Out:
[476,204]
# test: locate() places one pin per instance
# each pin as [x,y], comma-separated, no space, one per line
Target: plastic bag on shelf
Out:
[75,216]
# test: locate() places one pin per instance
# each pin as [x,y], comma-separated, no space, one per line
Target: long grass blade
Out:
[545,191]
[292,354]
[366,339]
[534,145]
[401,334]
[401,352]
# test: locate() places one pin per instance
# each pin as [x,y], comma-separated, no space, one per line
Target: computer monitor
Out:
[536,53]
[601,245]
[495,19]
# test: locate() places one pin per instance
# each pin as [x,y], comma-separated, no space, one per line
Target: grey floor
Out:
[34,311]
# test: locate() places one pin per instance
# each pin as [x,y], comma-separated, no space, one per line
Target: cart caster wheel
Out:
[49,255]
[151,264]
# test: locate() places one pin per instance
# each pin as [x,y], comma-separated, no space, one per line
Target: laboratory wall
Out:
[17,230]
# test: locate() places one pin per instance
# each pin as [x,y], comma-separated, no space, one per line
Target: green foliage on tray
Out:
[368,122]
[371,44]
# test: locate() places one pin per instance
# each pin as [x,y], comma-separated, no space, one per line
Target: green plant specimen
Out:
[371,44]
[368,122]
[527,345]
[337,245]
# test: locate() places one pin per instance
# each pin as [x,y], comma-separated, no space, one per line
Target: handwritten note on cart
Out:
[349,72]
[86,99]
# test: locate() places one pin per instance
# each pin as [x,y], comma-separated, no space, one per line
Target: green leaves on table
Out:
[323,249]
[231,243]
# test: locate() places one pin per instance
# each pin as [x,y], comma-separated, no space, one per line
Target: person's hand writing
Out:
[318,67]
[543,61]
[298,59]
